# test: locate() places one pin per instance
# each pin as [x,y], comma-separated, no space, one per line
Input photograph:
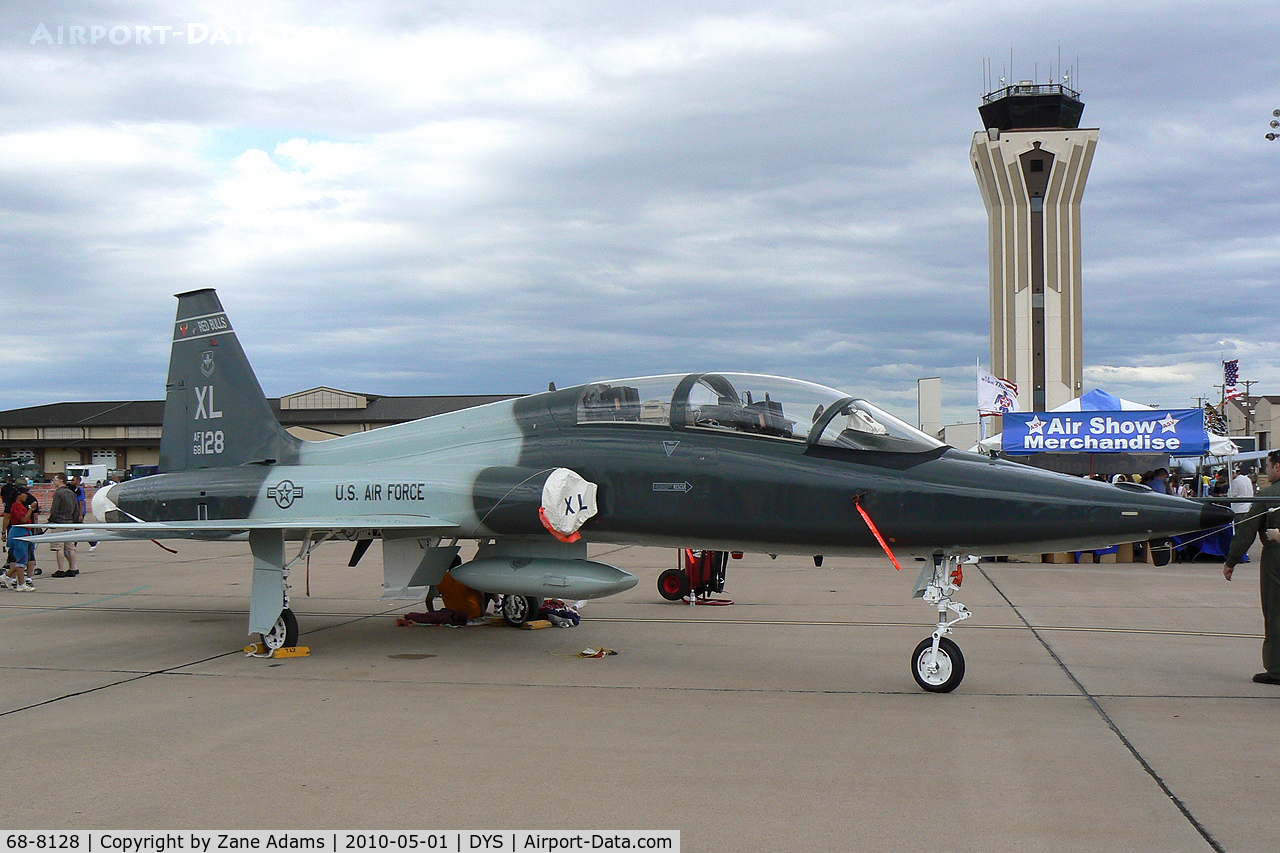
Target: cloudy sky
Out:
[405,197]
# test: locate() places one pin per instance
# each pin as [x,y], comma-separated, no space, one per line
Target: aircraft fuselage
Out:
[666,486]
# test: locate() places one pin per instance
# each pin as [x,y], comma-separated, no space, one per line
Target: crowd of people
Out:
[1218,484]
[67,506]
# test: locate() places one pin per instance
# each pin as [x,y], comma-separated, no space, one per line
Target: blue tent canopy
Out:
[1098,400]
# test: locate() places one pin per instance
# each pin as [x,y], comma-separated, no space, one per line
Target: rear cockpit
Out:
[766,406]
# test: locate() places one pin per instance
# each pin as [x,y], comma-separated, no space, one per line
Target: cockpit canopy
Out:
[768,406]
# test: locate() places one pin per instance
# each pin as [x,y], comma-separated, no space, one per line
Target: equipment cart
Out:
[700,575]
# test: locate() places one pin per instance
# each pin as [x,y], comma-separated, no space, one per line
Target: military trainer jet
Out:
[720,461]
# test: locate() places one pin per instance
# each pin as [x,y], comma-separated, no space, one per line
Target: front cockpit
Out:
[765,406]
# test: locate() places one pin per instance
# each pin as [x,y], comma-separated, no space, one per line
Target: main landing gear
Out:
[269,613]
[284,633]
[519,609]
[937,664]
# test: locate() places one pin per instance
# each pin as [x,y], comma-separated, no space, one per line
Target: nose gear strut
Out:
[937,664]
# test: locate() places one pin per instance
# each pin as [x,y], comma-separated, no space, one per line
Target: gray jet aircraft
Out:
[724,461]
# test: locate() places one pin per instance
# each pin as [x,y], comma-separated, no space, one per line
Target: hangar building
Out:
[124,435]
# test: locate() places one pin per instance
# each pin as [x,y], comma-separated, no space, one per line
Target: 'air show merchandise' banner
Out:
[1178,431]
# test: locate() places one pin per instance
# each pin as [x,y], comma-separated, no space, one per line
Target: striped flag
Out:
[1230,377]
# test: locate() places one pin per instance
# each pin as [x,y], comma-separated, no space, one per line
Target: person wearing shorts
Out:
[22,555]
[64,509]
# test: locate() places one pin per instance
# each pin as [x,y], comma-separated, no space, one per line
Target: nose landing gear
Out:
[937,664]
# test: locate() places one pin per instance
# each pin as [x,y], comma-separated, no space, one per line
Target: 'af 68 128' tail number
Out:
[207,443]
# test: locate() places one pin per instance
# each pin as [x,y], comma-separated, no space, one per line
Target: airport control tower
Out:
[1031,161]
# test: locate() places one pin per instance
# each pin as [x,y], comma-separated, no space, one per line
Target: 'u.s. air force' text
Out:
[380,491]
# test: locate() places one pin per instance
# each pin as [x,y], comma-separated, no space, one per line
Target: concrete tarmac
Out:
[1106,708]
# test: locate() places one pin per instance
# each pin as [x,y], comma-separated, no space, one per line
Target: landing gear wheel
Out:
[673,584]
[519,609]
[948,672]
[283,634]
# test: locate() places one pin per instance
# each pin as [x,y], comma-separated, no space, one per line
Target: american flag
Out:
[1230,376]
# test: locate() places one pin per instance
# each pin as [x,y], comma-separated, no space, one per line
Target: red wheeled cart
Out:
[700,575]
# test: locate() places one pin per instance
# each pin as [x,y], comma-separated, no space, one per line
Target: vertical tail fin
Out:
[215,414]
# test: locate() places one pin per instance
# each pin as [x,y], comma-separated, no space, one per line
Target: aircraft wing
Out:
[226,528]
[96,534]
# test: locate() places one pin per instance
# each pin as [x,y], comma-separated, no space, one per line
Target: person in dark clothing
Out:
[78,487]
[64,509]
[1263,520]
[9,491]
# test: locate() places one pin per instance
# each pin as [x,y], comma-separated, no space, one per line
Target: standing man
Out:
[1263,519]
[64,509]
[78,487]
[1241,487]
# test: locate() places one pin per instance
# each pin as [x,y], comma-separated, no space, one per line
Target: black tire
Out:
[519,609]
[673,584]
[950,662]
[284,634]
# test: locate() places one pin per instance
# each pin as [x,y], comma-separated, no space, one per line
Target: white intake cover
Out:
[567,501]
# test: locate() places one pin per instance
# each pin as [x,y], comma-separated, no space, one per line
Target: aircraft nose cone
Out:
[1215,515]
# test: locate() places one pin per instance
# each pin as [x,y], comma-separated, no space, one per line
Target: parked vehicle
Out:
[90,475]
